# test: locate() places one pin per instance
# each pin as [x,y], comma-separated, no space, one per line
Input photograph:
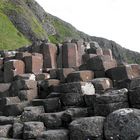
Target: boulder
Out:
[4,89]
[49,52]
[25,76]
[33,64]
[6,131]
[71,114]
[6,120]
[12,68]
[120,73]
[102,84]
[60,134]
[134,97]
[52,120]
[14,109]
[28,95]
[32,129]
[110,101]
[122,124]
[87,128]
[69,55]
[31,113]
[84,88]
[42,76]
[77,76]
[108,52]
[52,104]
[72,99]
[18,131]
[101,63]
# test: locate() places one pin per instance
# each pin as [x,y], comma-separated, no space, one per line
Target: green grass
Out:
[10,37]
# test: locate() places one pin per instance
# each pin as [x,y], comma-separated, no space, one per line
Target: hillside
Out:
[23,21]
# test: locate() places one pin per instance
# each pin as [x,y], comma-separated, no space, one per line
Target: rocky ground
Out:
[70,91]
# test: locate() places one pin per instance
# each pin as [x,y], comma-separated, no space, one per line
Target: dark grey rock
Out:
[72,99]
[87,128]
[52,104]
[60,134]
[5,130]
[123,124]
[52,120]
[32,129]
[31,113]
[18,130]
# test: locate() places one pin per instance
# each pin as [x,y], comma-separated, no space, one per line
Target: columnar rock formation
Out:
[69,91]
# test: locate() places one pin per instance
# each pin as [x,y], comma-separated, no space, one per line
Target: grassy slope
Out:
[10,37]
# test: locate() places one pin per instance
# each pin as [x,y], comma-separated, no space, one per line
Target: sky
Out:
[117,20]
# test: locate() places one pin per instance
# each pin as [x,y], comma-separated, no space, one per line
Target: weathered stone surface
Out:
[52,120]
[12,68]
[101,63]
[106,109]
[113,96]
[94,48]
[108,52]
[77,76]
[5,130]
[18,131]
[42,76]
[32,129]
[102,84]
[87,128]
[6,120]
[14,109]
[72,99]
[52,105]
[27,95]
[84,88]
[63,73]
[33,64]
[86,57]
[60,134]
[123,124]
[54,94]
[134,97]
[18,85]
[21,55]
[110,101]
[7,101]
[135,69]
[4,89]
[69,55]
[99,74]
[120,73]
[73,113]
[25,76]
[49,52]
[31,113]
[47,86]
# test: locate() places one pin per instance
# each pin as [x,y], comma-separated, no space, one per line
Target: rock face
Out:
[33,23]
[41,99]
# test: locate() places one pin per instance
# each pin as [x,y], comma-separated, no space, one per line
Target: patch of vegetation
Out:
[10,37]
[64,30]
[54,39]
